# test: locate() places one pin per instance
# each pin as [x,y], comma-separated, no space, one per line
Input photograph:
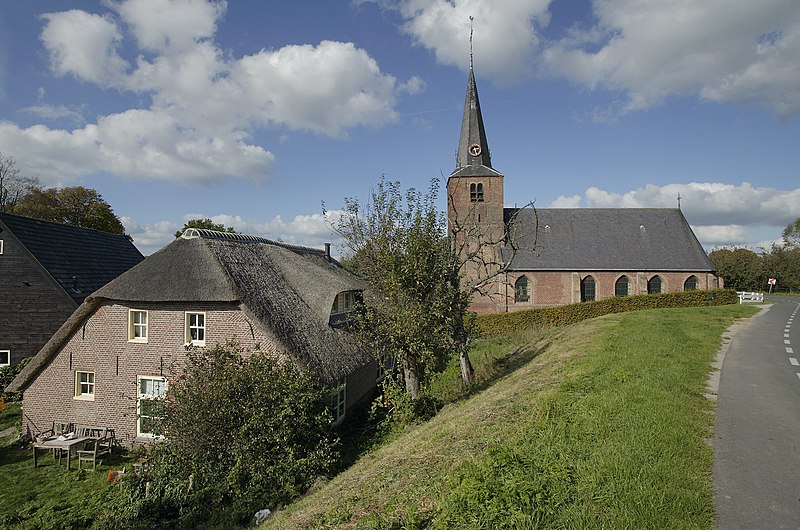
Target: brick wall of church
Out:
[564,287]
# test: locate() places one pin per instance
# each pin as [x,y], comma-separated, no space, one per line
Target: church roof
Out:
[81,260]
[473,157]
[595,239]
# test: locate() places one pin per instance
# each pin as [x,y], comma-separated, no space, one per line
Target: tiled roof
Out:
[81,260]
[629,239]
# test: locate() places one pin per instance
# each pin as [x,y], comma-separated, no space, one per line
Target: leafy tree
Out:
[204,223]
[13,185]
[74,206]
[783,264]
[791,234]
[398,244]
[243,432]
[741,268]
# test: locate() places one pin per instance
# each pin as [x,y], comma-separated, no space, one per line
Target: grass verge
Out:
[601,424]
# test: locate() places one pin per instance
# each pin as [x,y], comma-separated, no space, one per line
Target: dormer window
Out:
[344,302]
[476,192]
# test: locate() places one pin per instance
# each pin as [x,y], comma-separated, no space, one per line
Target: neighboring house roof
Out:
[624,239]
[81,260]
[286,290]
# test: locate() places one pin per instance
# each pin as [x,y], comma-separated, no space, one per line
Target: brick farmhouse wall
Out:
[101,346]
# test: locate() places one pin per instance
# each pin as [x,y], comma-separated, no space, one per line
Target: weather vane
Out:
[471,18]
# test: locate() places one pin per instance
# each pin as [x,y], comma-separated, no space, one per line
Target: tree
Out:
[243,432]
[791,234]
[399,244]
[204,223]
[13,185]
[74,206]
[741,268]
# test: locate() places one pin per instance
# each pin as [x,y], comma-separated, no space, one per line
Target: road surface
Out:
[757,435]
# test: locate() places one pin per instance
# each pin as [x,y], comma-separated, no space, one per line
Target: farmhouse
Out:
[523,258]
[46,271]
[124,344]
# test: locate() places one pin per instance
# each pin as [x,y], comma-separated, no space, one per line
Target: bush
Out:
[7,375]
[242,434]
[547,317]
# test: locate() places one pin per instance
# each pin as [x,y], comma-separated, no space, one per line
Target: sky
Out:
[257,113]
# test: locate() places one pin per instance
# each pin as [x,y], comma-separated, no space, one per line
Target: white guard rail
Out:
[750,297]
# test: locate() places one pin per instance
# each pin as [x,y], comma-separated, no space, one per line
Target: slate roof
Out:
[473,132]
[624,239]
[286,290]
[81,260]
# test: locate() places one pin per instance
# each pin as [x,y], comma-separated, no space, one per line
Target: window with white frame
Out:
[137,325]
[150,406]
[338,396]
[5,357]
[343,302]
[84,385]
[195,328]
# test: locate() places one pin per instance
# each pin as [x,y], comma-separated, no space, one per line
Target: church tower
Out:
[475,203]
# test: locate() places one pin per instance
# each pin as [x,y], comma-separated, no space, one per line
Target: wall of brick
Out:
[101,346]
[563,287]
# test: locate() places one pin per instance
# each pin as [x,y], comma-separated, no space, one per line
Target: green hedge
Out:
[547,317]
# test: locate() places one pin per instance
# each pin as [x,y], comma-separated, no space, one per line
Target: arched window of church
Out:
[521,292]
[587,289]
[691,283]
[654,285]
[621,286]
[476,192]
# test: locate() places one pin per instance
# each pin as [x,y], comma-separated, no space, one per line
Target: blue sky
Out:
[254,113]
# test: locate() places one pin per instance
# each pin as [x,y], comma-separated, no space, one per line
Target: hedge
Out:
[547,317]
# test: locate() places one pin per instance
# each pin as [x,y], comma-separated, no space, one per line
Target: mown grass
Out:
[47,496]
[597,425]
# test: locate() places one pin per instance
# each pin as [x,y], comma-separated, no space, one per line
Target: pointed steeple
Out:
[473,156]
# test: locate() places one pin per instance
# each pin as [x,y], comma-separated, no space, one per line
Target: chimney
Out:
[328,252]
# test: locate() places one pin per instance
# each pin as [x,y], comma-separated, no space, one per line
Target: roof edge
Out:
[41,359]
[205,233]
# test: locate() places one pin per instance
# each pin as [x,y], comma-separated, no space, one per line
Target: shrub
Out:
[547,317]
[242,433]
[7,375]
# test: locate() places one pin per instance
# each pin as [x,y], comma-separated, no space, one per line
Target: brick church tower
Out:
[475,206]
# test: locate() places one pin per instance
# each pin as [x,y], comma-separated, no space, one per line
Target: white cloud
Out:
[573,201]
[310,230]
[718,50]
[56,112]
[504,38]
[200,103]
[84,45]
[171,25]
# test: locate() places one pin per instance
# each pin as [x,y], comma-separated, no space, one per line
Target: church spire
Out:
[473,156]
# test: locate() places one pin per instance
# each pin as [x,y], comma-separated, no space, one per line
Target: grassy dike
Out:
[602,424]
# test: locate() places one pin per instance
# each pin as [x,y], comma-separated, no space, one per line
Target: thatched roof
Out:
[287,291]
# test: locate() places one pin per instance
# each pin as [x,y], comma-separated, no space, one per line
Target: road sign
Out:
[772,281]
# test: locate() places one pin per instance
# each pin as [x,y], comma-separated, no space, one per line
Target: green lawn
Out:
[48,496]
[599,425]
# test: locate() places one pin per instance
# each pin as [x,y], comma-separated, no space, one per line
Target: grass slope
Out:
[597,425]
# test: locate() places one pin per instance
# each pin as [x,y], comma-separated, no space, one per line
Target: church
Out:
[518,258]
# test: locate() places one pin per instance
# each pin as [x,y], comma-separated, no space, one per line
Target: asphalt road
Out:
[757,434]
